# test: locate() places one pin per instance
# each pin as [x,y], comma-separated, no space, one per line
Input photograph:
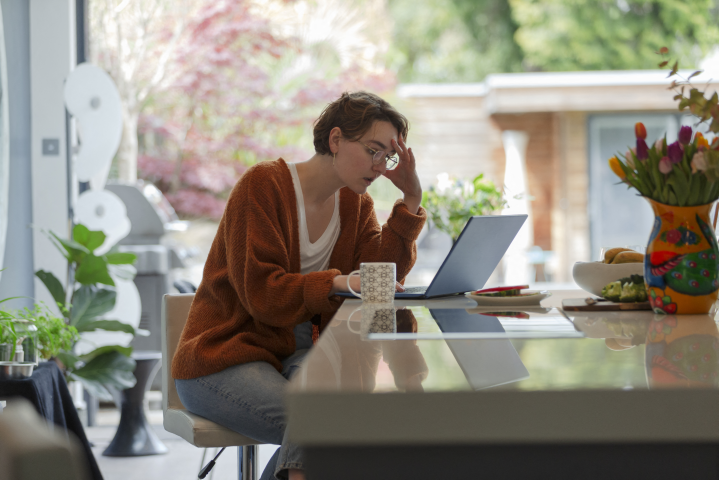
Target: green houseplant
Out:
[89,296]
[453,201]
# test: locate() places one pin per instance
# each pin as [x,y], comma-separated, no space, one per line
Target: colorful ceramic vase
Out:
[681,264]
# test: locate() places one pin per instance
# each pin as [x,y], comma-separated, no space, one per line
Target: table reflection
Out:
[443,347]
[680,350]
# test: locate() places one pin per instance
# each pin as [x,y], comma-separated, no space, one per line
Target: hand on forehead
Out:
[381,135]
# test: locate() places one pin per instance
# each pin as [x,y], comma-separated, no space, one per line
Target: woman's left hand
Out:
[404,175]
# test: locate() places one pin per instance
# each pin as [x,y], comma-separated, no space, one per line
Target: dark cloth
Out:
[47,391]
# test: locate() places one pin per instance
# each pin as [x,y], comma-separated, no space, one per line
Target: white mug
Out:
[376,318]
[377,282]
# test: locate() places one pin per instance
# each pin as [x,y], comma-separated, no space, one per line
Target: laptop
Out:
[472,259]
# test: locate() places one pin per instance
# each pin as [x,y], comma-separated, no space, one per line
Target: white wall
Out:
[52,56]
[17,279]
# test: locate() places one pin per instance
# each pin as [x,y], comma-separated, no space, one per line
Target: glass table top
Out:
[451,345]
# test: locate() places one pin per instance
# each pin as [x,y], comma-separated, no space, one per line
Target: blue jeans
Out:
[249,399]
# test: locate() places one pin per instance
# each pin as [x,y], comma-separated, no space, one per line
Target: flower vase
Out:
[680,267]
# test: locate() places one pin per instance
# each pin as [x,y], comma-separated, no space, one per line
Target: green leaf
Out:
[90,239]
[120,258]
[68,359]
[127,351]
[89,325]
[74,252]
[89,302]
[93,270]
[123,272]
[109,369]
[53,285]
[10,298]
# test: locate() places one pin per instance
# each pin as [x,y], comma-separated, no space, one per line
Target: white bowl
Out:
[593,276]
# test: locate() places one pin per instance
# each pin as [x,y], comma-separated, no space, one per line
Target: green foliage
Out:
[704,108]
[452,40]
[92,296]
[105,367]
[450,206]
[610,34]
[464,40]
[54,335]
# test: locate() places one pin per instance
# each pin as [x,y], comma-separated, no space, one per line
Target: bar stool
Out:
[195,429]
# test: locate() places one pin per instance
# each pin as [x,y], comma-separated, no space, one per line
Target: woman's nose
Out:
[381,167]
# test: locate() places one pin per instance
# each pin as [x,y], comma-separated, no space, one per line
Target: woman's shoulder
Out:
[267,172]
[269,176]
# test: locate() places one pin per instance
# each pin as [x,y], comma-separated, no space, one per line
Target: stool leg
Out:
[247,462]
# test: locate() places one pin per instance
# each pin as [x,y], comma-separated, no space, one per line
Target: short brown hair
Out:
[354,113]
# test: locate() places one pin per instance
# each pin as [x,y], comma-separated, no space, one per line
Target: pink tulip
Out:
[665,165]
[659,145]
[699,162]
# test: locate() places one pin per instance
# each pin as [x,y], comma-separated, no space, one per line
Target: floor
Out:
[181,462]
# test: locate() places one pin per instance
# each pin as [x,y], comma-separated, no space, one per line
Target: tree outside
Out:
[465,40]
[210,88]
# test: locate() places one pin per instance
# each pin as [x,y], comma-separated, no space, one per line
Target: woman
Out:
[290,235]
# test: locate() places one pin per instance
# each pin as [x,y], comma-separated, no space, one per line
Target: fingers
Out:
[398,287]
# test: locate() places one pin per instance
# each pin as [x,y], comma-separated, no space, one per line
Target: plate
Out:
[527,297]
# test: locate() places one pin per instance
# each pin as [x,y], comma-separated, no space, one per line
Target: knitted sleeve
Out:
[258,236]
[392,242]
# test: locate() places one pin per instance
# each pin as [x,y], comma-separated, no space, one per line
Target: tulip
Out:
[617,168]
[640,130]
[642,148]
[630,162]
[659,145]
[675,152]
[699,162]
[685,135]
[665,165]
[702,143]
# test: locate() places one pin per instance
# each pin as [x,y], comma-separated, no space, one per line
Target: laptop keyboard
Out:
[415,290]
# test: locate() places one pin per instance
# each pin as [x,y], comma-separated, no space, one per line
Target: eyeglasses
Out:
[378,156]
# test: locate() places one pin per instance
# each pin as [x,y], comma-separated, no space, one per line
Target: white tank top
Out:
[315,257]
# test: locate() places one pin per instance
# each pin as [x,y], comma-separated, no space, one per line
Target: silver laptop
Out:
[472,259]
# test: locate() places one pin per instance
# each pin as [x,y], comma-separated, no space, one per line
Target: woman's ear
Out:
[335,137]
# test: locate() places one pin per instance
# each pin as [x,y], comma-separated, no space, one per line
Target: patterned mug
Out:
[377,282]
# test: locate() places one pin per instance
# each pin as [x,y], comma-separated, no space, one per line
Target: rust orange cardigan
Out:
[252,293]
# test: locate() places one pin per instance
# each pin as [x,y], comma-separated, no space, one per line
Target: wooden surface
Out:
[581,305]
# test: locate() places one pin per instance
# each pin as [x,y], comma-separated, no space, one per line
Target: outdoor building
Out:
[575,121]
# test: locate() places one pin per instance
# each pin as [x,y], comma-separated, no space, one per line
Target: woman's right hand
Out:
[339,284]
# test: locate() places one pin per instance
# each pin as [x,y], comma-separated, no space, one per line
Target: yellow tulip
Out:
[617,168]
[701,141]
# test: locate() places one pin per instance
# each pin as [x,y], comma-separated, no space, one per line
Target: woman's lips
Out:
[368,181]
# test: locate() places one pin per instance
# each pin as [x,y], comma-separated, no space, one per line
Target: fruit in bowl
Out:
[593,276]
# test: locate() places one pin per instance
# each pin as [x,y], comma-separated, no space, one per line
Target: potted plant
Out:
[89,296]
[681,182]
[453,201]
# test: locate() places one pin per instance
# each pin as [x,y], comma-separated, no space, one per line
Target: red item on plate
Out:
[502,289]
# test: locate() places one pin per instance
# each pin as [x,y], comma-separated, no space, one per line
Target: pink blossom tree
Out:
[233,95]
